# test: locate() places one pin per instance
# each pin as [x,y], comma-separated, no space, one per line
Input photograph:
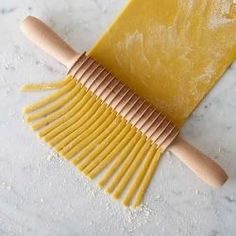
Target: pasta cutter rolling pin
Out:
[152,127]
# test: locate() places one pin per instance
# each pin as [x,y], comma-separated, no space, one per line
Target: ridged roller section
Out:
[124,101]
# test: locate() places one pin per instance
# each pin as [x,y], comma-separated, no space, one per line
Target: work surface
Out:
[40,194]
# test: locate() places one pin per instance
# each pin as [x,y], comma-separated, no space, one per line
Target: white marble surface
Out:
[43,195]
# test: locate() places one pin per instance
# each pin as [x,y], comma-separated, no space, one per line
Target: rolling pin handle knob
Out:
[46,39]
[204,167]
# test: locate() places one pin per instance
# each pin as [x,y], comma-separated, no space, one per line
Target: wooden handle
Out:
[41,35]
[49,41]
[204,167]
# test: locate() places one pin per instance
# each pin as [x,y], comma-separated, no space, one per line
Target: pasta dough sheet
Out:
[170,52]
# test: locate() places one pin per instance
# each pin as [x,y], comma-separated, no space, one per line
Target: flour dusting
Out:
[220,15]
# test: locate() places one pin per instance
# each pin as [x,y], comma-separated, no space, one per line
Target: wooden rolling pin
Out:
[204,167]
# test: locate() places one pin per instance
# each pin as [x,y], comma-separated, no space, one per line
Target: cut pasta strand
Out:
[149,173]
[44,86]
[141,172]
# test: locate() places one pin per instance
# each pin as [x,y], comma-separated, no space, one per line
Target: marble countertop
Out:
[40,194]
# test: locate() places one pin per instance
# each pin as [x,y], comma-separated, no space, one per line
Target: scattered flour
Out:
[220,18]
[6,186]
[52,156]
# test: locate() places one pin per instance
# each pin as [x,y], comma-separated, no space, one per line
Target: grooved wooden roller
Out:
[124,101]
[135,110]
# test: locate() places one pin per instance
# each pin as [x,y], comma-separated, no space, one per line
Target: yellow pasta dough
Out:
[170,52]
